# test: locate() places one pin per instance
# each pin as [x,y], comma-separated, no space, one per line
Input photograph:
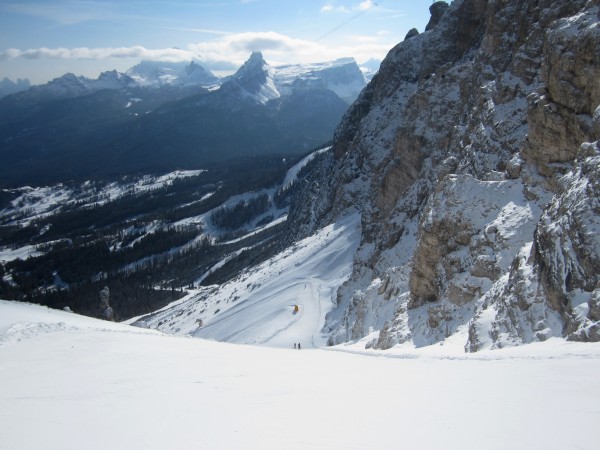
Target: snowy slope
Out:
[257,307]
[68,383]
[342,76]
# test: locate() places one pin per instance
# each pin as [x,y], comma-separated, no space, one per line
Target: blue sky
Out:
[43,39]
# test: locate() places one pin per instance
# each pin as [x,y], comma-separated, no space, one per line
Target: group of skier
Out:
[297,345]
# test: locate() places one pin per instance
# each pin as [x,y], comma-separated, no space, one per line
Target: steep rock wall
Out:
[464,156]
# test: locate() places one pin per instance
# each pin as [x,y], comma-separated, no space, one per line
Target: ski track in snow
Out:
[257,307]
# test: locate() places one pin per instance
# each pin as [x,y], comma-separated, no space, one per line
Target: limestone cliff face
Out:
[472,158]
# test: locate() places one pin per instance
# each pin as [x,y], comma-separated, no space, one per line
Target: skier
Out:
[295,345]
[299,346]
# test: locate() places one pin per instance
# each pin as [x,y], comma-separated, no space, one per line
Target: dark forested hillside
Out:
[106,134]
[143,238]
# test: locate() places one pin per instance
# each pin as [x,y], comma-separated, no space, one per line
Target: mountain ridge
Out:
[461,155]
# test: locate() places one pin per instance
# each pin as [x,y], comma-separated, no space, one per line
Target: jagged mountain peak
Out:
[256,57]
[160,73]
[255,80]
[68,77]
[112,80]
[69,85]
[254,66]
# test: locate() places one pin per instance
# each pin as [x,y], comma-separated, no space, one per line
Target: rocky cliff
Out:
[473,159]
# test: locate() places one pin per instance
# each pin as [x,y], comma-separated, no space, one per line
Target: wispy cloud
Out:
[366,5]
[66,13]
[72,12]
[331,7]
[358,9]
[197,30]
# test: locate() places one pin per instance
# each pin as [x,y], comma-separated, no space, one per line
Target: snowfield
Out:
[71,382]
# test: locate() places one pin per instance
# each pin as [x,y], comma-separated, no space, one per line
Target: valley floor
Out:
[71,382]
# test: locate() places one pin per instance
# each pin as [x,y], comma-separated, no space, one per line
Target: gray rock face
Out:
[560,116]
[472,159]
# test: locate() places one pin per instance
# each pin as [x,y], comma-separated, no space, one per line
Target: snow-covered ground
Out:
[71,382]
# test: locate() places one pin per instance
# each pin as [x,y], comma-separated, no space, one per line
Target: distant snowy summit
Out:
[342,76]
[255,79]
[146,74]
[158,73]
[370,68]
[71,86]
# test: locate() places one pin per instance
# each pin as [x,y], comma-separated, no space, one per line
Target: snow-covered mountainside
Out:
[158,73]
[343,76]
[473,159]
[69,382]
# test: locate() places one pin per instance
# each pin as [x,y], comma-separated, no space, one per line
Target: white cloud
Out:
[331,7]
[362,6]
[367,4]
[224,51]
[196,30]
[170,54]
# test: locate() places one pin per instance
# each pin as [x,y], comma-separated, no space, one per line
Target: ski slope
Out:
[69,383]
[257,307]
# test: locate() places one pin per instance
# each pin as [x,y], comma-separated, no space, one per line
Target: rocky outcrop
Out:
[437,10]
[560,114]
[106,311]
[411,33]
[471,159]
[567,247]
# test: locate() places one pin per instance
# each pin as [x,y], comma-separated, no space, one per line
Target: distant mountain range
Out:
[165,116]
[8,87]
